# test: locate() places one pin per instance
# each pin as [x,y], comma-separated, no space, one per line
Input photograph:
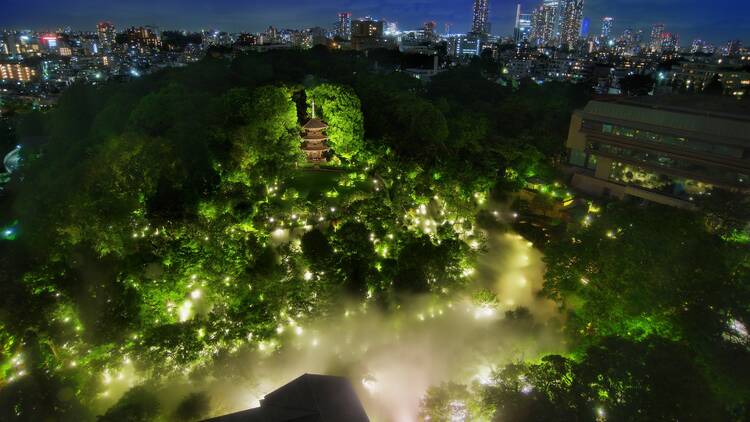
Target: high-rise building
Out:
[522,30]
[367,33]
[144,36]
[570,21]
[606,28]
[543,24]
[344,26]
[670,42]
[106,32]
[733,47]
[657,31]
[480,23]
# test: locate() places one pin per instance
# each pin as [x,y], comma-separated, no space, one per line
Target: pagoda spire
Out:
[313,108]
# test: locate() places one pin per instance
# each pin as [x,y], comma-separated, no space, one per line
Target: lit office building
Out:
[144,36]
[344,26]
[17,72]
[543,24]
[570,21]
[106,33]
[522,30]
[667,149]
[480,23]
[367,33]
[670,42]
[606,28]
[657,32]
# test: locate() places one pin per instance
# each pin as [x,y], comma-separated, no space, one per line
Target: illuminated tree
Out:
[339,106]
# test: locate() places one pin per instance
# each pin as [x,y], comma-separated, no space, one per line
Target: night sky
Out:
[714,20]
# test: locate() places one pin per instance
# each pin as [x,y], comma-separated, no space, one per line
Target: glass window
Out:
[674,186]
[577,158]
[591,162]
[670,140]
[715,173]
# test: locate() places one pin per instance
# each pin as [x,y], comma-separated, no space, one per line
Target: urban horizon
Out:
[709,27]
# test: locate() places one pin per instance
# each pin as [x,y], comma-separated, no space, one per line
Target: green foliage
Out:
[641,272]
[616,379]
[194,407]
[339,106]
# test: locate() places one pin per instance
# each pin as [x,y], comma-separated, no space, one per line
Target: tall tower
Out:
[657,32]
[607,28]
[543,24]
[570,21]
[106,32]
[522,30]
[480,23]
[344,26]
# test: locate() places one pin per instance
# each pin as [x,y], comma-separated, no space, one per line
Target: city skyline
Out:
[717,22]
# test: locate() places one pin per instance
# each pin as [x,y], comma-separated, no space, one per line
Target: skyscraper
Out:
[606,28]
[344,26]
[656,36]
[522,30]
[480,23]
[106,32]
[570,21]
[543,24]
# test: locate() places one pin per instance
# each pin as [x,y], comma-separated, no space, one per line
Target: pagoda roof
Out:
[315,136]
[315,124]
[315,147]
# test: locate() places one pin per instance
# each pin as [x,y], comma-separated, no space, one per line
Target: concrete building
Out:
[480,21]
[666,149]
[367,33]
[344,25]
[522,29]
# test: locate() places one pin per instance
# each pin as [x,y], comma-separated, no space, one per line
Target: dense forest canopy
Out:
[169,226]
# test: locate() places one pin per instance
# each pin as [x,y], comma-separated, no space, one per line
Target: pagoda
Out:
[314,140]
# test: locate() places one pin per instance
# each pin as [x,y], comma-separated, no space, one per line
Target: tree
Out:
[637,84]
[194,407]
[714,86]
[137,405]
[637,271]
[317,249]
[339,106]
[39,396]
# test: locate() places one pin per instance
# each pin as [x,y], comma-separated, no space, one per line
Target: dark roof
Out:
[711,118]
[315,147]
[314,136]
[309,398]
[315,124]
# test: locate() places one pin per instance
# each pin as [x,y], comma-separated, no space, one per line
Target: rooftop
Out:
[315,124]
[313,398]
[708,116]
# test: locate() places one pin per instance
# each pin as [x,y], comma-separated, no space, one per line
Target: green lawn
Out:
[313,183]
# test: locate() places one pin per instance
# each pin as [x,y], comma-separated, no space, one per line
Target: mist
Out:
[393,357]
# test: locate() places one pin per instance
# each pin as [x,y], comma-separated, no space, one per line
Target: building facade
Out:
[367,33]
[522,29]
[480,22]
[571,14]
[20,72]
[344,26]
[667,150]
[106,33]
